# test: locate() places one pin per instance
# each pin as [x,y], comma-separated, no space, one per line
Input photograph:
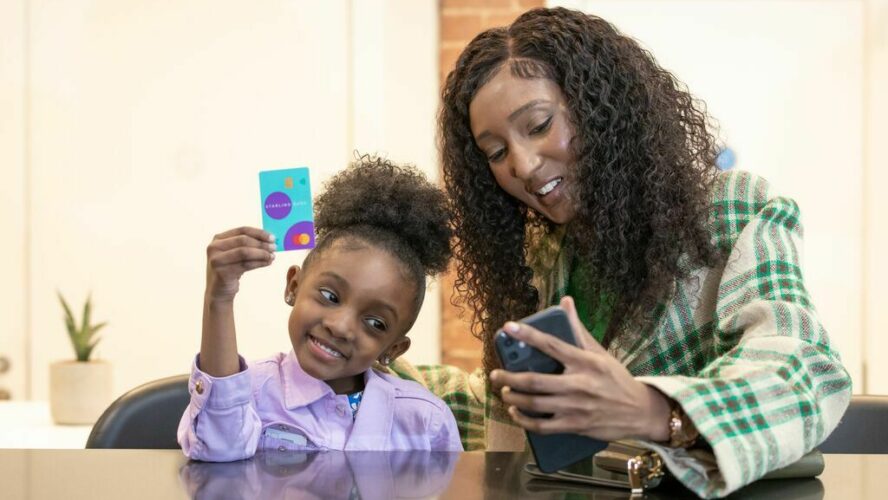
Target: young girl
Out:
[381,230]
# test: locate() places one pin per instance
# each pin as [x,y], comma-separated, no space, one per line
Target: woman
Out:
[577,167]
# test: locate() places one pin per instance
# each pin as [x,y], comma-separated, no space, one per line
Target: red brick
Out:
[501,19]
[528,4]
[461,4]
[448,59]
[460,27]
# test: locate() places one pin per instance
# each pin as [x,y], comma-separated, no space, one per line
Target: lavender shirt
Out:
[274,404]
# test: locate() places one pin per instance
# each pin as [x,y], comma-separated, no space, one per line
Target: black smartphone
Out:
[552,452]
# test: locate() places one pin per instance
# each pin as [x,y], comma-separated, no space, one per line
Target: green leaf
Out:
[83,339]
[95,329]
[87,351]
[84,330]
[69,317]
[69,322]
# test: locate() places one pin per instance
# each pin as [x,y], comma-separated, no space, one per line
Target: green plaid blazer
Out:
[739,347]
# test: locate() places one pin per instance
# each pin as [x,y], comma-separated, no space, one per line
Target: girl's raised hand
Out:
[233,253]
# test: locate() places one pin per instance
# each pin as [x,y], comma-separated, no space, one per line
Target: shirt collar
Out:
[301,389]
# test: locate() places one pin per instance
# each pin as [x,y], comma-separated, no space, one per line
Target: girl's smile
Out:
[325,351]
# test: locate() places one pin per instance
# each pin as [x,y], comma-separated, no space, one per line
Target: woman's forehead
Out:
[505,96]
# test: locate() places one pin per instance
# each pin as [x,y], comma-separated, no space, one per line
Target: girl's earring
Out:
[386,361]
[289,298]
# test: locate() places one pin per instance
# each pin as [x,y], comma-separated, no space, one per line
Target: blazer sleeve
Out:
[775,387]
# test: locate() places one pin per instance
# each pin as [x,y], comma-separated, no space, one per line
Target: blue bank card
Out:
[286,207]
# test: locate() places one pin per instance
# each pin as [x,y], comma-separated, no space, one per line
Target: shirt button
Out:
[340,410]
[198,386]
[282,448]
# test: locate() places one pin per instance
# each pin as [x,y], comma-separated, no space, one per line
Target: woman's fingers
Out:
[549,344]
[583,338]
[536,383]
[542,403]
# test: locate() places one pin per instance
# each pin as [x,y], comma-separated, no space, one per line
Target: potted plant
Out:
[79,390]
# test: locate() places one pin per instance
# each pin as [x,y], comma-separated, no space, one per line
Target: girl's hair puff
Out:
[375,202]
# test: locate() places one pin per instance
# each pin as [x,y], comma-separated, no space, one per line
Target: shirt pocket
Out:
[284,437]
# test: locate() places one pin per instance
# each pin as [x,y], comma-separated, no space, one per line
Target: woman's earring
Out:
[386,361]
[289,298]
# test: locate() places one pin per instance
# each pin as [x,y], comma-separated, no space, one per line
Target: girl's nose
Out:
[340,324]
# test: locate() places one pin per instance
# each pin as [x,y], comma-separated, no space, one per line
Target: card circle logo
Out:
[278,205]
[299,236]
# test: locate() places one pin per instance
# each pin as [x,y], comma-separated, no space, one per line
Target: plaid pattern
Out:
[739,347]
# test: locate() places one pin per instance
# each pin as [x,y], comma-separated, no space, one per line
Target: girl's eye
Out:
[542,127]
[377,324]
[329,296]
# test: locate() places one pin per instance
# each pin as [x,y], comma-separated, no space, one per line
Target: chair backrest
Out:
[145,417]
[863,429]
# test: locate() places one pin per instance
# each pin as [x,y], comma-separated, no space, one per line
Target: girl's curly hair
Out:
[644,172]
[375,202]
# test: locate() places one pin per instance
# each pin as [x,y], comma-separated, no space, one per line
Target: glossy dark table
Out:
[137,474]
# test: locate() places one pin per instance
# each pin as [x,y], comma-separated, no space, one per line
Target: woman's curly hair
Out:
[375,202]
[644,172]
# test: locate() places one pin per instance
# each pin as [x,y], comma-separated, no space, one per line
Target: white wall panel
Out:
[784,80]
[12,195]
[150,123]
[876,220]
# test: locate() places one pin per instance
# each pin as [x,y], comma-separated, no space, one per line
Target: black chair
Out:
[863,429]
[145,417]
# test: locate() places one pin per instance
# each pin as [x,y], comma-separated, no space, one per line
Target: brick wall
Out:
[460,21]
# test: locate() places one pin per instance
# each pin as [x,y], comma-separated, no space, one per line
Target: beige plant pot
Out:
[79,391]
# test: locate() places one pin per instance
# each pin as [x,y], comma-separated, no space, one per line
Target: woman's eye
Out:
[496,155]
[377,324]
[329,296]
[541,127]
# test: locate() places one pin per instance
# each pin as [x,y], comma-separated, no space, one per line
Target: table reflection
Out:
[324,474]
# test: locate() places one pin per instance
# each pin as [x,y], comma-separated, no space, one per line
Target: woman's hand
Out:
[233,253]
[595,396]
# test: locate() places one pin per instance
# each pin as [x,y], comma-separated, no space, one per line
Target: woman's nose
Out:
[524,161]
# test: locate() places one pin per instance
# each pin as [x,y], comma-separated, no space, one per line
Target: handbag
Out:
[627,466]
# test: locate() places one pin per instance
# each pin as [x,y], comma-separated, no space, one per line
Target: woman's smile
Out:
[551,193]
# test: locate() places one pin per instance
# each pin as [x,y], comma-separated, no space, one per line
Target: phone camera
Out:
[513,356]
[509,341]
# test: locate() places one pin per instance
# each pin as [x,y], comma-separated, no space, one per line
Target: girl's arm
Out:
[229,256]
